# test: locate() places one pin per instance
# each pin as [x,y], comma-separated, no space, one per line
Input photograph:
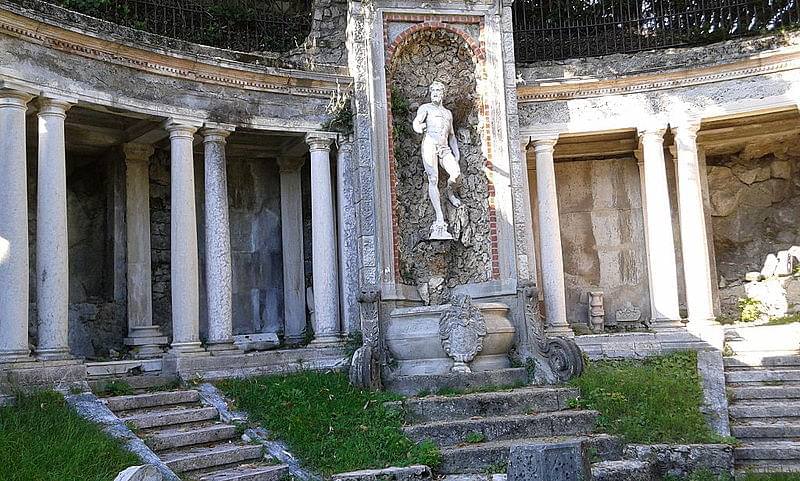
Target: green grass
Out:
[651,401]
[704,475]
[42,439]
[331,426]
[780,321]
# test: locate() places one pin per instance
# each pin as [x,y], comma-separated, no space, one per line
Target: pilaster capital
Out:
[345,144]
[15,99]
[288,165]
[136,153]
[319,141]
[54,106]
[214,132]
[181,128]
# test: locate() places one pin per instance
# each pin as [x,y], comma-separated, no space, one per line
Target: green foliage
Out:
[330,425]
[354,341]
[705,475]
[340,113]
[475,438]
[653,401]
[42,439]
[751,309]
[117,387]
[788,319]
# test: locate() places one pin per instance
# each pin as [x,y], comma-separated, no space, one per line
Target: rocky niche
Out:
[435,267]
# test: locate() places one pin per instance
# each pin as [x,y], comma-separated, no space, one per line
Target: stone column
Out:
[183,241]
[662,271]
[294,288]
[555,303]
[14,265]
[218,242]
[52,256]
[324,251]
[145,338]
[694,240]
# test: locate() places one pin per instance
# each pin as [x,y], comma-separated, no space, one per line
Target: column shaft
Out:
[218,242]
[694,241]
[324,252]
[52,261]
[662,269]
[183,242]
[14,264]
[550,239]
[294,289]
[143,336]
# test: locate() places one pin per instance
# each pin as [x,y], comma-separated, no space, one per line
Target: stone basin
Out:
[412,336]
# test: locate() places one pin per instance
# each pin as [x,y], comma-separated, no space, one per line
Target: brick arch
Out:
[478,53]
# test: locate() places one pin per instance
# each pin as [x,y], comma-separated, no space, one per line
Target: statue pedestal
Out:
[439,231]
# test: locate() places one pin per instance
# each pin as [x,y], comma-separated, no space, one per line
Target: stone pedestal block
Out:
[566,461]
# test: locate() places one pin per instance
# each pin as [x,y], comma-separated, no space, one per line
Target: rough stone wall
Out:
[602,234]
[755,209]
[439,55]
[160,240]
[325,44]
[93,327]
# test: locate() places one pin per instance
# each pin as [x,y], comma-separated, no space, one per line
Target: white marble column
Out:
[219,286]
[183,241]
[555,303]
[694,239]
[145,338]
[14,265]
[323,234]
[52,256]
[294,289]
[661,264]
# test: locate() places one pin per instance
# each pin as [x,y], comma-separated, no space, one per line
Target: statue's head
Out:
[437,90]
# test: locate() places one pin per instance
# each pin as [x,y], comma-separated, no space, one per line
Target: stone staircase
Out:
[764,410]
[189,437]
[476,431]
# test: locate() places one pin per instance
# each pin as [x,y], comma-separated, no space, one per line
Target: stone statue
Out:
[439,147]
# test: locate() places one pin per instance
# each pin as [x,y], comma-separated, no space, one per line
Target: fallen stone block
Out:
[565,461]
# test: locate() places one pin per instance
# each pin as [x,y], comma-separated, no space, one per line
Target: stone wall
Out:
[429,56]
[602,234]
[755,208]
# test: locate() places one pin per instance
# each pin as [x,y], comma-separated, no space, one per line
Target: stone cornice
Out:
[766,63]
[172,64]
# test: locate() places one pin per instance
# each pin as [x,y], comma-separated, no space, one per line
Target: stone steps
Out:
[765,409]
[765,392]
[762,376]
[476,458]
[629,470]
[451,433]
[191,440]
[518,401]
[768,430]
[248,473]
[761,360]
[760,466]
[768,451]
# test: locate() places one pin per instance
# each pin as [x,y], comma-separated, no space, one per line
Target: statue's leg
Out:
[453,170]
[432,171]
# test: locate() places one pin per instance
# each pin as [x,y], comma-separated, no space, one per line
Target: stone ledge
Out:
[680,460]
[29,376]
[412,385]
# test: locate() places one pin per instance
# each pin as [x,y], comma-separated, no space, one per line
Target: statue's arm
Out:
[453,142]
[419,120]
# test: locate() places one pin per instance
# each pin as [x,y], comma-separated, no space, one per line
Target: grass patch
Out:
[780,321]
[42,439]
[653,401]
[705,475]
[328,424]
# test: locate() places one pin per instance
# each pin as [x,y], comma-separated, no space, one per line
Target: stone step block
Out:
[138,383]
[189,436]
[766,359]
[169,418]
[743,393]
[763,375]
[765,409]
[762,466]
[451,433]
[622,470]
[248,473]
[769,451]
[771,430]
[476,458]
[150,400]
[464,381]
[206,457]
[518,401]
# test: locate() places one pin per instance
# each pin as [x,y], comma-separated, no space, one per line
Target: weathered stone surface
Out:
[715,400]
[410,473]
[623,470]
[567,461]
[140,473]
[682,460]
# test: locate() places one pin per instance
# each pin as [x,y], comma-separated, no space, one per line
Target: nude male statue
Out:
[439,147]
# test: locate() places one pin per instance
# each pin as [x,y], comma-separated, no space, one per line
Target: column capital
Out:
[653,132]
[290,164]
[137,152]
[319,141]
[686,129]
[346,144]
[12,98]
[214,132]
[543,139]
[57,107]
[181,128]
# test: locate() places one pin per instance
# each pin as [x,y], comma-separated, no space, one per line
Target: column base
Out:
[187,349]
[708,330]
[295,339]
[223,348]
[667,325]
[560,331]
[327,340]
[146,347]
[21,355]
[57,354]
